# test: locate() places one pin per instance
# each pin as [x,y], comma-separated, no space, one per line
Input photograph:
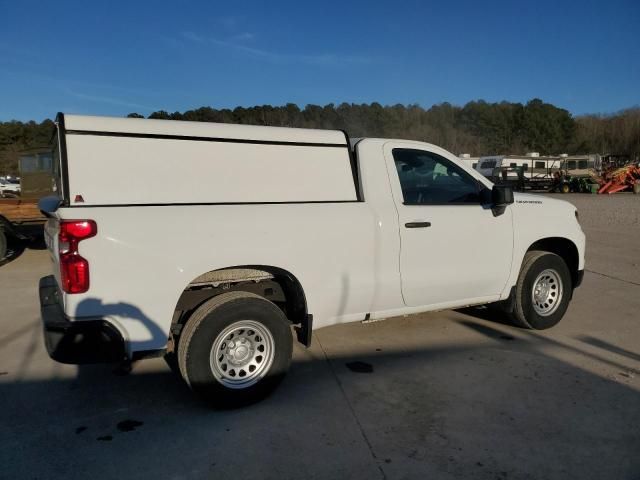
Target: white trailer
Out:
[538,171]
[468,160]
[581,165]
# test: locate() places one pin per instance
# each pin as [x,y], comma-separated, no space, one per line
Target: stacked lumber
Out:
[16,210]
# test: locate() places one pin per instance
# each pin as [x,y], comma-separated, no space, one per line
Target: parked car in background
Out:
[8,188]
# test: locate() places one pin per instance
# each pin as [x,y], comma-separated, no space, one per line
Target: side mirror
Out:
[501,195]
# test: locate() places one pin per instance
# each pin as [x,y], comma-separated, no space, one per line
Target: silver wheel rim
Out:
[546,294]
[242,354]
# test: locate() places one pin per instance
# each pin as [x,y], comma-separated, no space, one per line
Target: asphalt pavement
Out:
[453,394]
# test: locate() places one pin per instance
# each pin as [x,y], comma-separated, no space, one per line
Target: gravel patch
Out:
[601,211]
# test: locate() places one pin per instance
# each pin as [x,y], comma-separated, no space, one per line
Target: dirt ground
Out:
[442,395]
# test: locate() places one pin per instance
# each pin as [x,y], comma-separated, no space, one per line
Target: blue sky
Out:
[112,58]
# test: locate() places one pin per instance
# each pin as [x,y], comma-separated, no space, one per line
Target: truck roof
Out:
[152,127]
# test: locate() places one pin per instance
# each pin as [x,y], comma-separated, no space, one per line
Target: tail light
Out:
[74,269]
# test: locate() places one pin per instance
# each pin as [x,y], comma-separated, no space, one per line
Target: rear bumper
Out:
[80,341]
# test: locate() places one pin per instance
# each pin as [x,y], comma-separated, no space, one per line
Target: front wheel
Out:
[543,291]
[235,349]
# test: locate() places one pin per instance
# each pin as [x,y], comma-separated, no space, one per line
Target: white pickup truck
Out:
[211,243]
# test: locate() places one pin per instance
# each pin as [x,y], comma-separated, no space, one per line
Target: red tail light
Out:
[74,269]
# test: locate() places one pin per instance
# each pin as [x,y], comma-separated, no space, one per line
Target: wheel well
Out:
[562,247]
[275,284]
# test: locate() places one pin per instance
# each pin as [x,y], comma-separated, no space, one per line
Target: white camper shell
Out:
[244,164]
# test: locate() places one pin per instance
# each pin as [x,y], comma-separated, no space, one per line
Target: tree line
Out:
[478,128]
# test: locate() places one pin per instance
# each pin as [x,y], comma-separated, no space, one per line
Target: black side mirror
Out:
[501,196]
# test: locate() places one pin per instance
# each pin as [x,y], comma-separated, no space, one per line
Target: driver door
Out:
[454,251]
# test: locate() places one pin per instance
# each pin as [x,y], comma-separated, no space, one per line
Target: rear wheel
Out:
[565,188]
[543,291]
[235,349]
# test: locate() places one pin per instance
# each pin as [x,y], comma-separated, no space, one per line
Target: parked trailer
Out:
[538,172]
[468,160]
[20,217]
[581,165]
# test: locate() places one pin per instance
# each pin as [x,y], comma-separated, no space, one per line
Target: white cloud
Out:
[107,100]
[243,37]
[322,59]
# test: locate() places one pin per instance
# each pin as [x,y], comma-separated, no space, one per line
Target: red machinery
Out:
[620,179]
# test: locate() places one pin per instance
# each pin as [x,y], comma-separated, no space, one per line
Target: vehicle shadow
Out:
[596,342]
[124,312]
[503,405]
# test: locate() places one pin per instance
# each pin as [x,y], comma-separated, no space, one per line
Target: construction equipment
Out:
[626,178]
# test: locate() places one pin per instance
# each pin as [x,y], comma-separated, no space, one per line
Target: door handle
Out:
[417,224]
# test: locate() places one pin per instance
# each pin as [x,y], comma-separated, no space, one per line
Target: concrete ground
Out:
[450,394]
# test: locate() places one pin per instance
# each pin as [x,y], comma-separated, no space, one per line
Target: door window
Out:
[429,179]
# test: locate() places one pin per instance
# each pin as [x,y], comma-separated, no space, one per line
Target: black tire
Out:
[565,188]
[3,244]
[203,330]
[524,313]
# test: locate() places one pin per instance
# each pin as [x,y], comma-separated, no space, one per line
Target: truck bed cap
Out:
[152,127]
